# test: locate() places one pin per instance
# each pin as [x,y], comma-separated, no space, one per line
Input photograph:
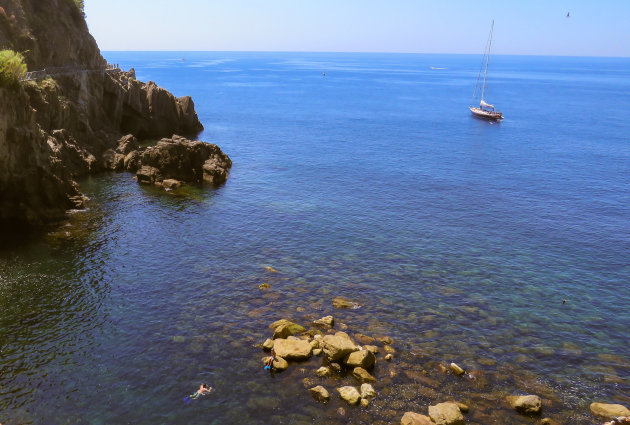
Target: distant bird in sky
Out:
[568,15]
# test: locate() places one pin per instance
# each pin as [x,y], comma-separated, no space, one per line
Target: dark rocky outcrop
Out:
[55,130]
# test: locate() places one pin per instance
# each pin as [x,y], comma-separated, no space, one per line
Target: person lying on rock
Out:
[270,360]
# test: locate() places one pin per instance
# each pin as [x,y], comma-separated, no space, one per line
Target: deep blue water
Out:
[460,237]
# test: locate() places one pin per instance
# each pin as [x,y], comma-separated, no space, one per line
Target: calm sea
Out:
[460,238]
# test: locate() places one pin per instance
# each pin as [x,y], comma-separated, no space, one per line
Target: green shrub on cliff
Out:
[12,68]
[81,5]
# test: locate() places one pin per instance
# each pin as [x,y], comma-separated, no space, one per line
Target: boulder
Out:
[446,414]
[337,346]
[349,394]
[127,144]
[320,394]
[389,357]
[367,391]
[181,159]
[362,375]
[412,418]
[132,161]
[292,349]
[148,175]
[361,358]
[170,184]
[282,331]
[268,344]
[365,402]
[343,302]
[526,404]
[294,328]
[280,364]
[609,411]
[326,322]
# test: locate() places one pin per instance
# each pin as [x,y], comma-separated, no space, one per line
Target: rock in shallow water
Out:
[412,418]
[337,346]
[320,394]
[327,322]
[361,358]
[609,411]
[362,375]
[526,404]
[367,391]
[446,414]
[343,302]
[292,349]
[349,394]
[185,160]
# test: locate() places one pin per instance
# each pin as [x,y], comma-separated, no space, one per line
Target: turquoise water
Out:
[459,237]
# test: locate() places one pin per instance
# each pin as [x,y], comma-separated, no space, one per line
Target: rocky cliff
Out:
[56,129]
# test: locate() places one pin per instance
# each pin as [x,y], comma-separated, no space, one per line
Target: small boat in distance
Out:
[485,110]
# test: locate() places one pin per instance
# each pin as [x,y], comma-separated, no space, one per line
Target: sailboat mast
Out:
[483,90]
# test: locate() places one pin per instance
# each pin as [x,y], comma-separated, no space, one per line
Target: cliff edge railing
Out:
[66,70]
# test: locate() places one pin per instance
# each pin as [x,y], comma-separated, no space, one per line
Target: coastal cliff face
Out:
[60,128]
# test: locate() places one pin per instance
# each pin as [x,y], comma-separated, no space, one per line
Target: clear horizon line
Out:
[367,52]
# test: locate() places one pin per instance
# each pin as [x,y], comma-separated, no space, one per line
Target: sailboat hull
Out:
[487,115]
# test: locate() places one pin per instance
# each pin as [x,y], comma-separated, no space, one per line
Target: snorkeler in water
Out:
[203,390]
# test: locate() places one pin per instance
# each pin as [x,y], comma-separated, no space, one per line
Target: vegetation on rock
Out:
[12,68]
[81,5]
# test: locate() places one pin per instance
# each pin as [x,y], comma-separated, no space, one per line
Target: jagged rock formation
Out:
[171,161]
[52,131]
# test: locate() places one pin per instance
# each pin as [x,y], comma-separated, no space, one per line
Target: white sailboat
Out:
[485,110]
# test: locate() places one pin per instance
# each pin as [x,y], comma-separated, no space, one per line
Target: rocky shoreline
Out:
[55,130]
[364,368]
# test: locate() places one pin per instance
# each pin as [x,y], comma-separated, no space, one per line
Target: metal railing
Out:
[66,70]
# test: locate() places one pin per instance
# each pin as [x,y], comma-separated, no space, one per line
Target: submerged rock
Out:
[343,302]
[362,375]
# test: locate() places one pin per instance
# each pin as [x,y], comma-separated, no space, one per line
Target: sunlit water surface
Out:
[459,237]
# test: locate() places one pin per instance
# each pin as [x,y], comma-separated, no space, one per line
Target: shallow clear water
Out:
[461,239]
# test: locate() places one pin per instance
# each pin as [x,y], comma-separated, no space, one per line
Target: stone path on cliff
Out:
[66,70]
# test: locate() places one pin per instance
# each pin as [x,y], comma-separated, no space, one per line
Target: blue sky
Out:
[530,27]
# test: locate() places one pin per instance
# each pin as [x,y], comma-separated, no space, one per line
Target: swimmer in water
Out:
[203,390]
